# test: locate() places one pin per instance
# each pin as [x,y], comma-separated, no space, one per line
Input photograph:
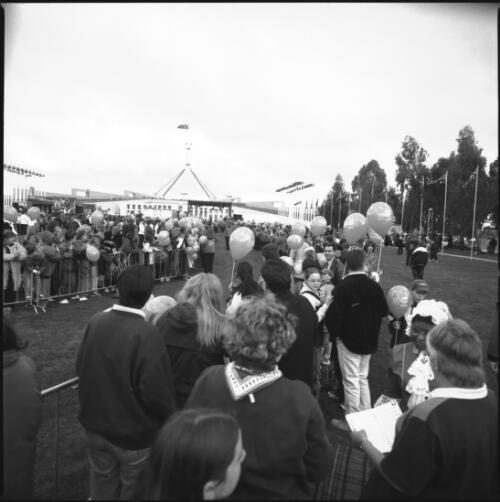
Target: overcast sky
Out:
[272,93]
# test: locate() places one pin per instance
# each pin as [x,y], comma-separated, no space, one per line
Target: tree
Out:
[462,184]
[493,192]
[369,185]
[409,176]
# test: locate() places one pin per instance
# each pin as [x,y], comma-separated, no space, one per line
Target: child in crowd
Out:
[311,289]
[196,456]
[400,328]
[410,373]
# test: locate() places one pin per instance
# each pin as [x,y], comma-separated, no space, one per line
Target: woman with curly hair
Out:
[281,423]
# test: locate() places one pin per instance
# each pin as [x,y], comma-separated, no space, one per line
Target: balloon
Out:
[195,231]
[321,259]
[299,229]
[196,247]
[294,241]
[33,212]
[398,300]
[380,217]
[318,225]
[194,256]
[163,237]
[203,240]
[169,225]
[96,217]
[445,243]
[374,237]
[10,214]
[182,214]
[189,250]
[158,305]
[241,242]
[92,253]
[355,227]
[189,240]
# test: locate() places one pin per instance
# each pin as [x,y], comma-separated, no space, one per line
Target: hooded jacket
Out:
[188,358]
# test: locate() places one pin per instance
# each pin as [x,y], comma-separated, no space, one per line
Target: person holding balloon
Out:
[13,256]
[401,303]
[410,375]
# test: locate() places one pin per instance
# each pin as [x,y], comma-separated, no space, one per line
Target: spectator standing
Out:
[22,417]
[14,254]
[228,230]
[246,288]
[178,327]
[283,455]
[297,363]
[207,251]
[445,447]
[332,254]
[125,388]
[354,319]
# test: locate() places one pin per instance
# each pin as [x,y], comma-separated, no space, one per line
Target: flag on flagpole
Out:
[439,180]
[183,126]
[470,177]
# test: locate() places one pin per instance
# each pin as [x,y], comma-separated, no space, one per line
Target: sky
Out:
[273,93]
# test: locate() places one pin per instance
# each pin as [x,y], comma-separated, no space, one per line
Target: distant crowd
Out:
[204,396]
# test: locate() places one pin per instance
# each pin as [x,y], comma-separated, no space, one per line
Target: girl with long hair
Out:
[197,456]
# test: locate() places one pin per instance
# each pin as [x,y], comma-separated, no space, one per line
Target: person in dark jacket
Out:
[178,327]
[22,417]
[297,363]
[353,320]
[125,389]
[282,425]
[418,261]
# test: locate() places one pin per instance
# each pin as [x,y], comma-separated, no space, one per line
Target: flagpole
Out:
[359,210]
[444,210]
[403,210]
[331,212]
[474,215]
[421,209]
[340,207]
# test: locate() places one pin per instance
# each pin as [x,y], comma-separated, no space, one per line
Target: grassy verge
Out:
[470,288]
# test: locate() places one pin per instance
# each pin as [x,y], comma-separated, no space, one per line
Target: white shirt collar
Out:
[460,392]
[130,310]
[356,272]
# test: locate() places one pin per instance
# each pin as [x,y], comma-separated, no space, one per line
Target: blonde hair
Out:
[205,292]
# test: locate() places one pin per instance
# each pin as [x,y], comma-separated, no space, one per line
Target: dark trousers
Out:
[227,242]
[207,262]
[418,271]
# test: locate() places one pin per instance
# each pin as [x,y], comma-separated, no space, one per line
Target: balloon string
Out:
[232,273]
[380,254]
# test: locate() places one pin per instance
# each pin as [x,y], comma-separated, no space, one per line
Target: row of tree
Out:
[419,194]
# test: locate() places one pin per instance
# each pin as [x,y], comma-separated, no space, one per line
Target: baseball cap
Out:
[420,286]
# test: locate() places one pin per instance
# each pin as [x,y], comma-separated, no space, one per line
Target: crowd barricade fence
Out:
[84,278]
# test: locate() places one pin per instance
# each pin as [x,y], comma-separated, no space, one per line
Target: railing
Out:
[73,383]
[73,284]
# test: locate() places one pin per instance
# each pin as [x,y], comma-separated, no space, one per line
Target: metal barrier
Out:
[73,383]
[88,281]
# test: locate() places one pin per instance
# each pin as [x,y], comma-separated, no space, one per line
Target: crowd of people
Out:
[204,396]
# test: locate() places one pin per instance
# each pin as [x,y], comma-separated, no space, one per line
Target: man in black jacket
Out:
[125,389]
[353,321]
[297,362]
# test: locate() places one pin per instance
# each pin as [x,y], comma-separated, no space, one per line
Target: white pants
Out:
[354,368]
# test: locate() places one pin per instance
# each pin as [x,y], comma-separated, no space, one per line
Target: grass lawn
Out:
[470,288]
